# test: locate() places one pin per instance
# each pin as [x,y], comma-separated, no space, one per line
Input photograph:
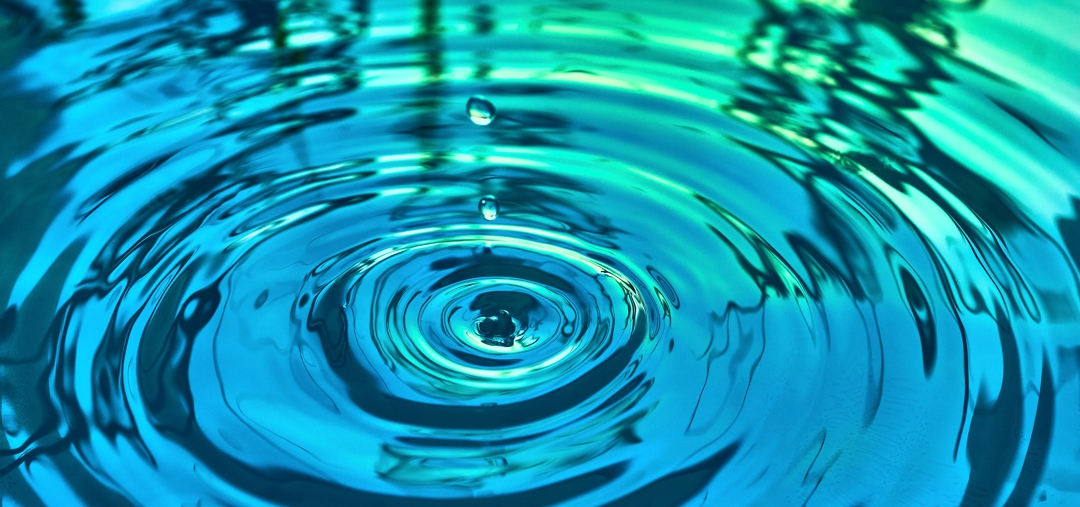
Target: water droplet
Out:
[489,207]
[499,329]
[481,111]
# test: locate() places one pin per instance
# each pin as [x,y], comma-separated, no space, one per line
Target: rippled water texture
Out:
[566,252]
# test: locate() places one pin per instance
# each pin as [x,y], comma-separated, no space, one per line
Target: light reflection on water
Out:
[705,253]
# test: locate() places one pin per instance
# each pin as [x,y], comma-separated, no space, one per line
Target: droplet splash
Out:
[498,329]
[489,207]
[480,110]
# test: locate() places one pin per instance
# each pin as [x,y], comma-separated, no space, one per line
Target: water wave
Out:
[321,252]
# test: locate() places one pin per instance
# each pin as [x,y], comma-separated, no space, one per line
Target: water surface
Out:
[531,253]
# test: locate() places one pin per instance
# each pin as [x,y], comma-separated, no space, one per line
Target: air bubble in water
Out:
[489,207]
[481,111]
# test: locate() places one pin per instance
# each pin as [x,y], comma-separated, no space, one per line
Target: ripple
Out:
[735,253]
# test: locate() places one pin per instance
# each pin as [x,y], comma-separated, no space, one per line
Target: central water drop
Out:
[498,329]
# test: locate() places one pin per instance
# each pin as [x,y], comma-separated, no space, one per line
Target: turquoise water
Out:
[577,253]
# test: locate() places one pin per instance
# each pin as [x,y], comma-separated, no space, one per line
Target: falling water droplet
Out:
[489,207]
[481,111]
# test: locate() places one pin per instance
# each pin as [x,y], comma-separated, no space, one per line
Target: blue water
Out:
[532,253]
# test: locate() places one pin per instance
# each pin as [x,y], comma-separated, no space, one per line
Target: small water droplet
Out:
[481,111]
[489,207]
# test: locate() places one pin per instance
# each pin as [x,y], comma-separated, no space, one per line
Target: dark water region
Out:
[532,253]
